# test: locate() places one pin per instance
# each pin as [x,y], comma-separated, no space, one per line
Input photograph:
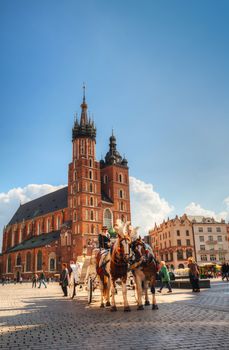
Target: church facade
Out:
[65,224]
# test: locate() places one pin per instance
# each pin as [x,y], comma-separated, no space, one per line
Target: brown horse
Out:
[119,259]
[144,270]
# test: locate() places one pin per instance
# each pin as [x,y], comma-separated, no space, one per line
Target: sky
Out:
[155,71]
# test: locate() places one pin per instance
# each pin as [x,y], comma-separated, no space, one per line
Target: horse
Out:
[104,276]
[118,265]
[144,269]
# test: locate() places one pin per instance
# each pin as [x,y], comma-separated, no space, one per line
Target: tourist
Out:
[34,280]
[64,279]
[42,279]
[165,278]
[194,274]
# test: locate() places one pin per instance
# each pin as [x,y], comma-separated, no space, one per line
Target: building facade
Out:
[202,238]
[65,224]
[211,240]
[173,242]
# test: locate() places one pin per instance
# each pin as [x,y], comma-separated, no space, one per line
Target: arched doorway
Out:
[181,266]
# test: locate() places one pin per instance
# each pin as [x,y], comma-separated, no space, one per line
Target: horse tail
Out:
[104,280]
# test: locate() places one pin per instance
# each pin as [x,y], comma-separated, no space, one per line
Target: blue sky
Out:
[156,71]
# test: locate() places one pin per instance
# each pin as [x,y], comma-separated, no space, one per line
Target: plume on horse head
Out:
[121,228]
[133,232]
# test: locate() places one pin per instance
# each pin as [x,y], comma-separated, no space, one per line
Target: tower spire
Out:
[84,88]
[83,119]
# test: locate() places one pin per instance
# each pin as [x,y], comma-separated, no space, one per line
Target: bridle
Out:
[120,256]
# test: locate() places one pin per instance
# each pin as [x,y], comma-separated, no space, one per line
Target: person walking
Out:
[42,279]
[64,279]
[165,278]
[34,280]
[194,274]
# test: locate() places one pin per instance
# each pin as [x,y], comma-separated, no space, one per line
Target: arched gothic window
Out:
[28,261]
[18,261]
[39,260]
[107,218]
[9,266]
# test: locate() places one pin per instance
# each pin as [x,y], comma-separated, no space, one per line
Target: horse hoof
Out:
[140,307]
[147,303]
[108,303]
[154,307]
[102,306]
[113,308]
[127,309]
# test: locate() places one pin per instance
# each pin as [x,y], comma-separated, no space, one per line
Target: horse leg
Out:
[124,293]
[101,292]
[108,293]
[154,303]
[146,293]
[139,293]
[113,305]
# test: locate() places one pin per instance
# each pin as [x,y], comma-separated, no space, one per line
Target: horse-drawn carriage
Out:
[127,253]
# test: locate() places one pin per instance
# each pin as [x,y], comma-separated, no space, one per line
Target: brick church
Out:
[65,224]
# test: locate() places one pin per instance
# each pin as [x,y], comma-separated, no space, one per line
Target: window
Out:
[39,260]
[179,242]
[210,238]
[18,260]
[121,193]
[91,189]
[202,247]
[9,266]
[203,257]
[171,256]
[120,178]
[74,216]
[121,207]
[105,179]
[90,175]
[212,257]
[220,238]
[92,215]
[200,229]
[187,232]
[221,256]
[166,257]
[91,201]
[52,264]
[201,238]
[209,229]
[107,218]
[218,229]
[180,255]
[169,243]
[58,222]
[178,232]
[48,225]
[188,242]
[28,261]
[90,162]
[188,253]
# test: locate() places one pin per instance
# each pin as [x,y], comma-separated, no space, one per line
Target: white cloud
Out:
[147,207]
[10,201]
[196,209]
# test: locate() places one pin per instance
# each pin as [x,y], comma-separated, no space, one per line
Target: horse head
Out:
[123,240]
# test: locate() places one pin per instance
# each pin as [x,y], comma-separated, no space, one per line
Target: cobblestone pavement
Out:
[43,319]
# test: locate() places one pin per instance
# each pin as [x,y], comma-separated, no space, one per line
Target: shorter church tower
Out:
[115,183]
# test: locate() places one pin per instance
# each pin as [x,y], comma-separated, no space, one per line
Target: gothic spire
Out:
[83,119]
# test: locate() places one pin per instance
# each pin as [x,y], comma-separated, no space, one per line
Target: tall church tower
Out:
[84,188]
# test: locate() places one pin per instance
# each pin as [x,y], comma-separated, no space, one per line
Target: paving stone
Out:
[43,319]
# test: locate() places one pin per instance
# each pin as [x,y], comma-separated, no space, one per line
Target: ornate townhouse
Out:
[173,241]
[61,225]
[211,240]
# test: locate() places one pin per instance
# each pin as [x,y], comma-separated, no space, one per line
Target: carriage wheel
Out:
[72,288]
[89,290]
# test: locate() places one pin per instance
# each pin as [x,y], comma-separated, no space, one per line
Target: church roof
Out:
[37,241]
[43,205]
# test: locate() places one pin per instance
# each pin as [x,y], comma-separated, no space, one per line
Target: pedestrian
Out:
[20,280]
[34,280]
[64,279]
[227,271]
[165,278]
[42,279]
[194,274]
